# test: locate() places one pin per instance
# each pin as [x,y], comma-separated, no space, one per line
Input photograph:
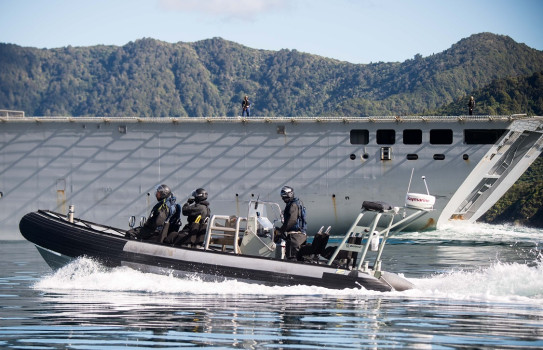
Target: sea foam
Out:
[498,282]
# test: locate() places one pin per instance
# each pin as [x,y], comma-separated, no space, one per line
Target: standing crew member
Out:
[293,229]
[471,105]
[246,107]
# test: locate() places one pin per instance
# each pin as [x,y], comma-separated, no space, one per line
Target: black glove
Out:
[190,200]
[279,236]
[276,236]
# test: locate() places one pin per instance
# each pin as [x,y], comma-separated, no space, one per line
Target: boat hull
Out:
[60,241]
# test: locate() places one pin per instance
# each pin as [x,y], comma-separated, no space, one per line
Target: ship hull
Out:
[108,168]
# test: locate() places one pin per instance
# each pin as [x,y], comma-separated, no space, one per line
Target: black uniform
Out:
[289,231]
[155,222]
[471,105]
[193,232]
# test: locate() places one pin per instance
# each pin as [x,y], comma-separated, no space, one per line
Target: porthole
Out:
[439,156]
[412,156]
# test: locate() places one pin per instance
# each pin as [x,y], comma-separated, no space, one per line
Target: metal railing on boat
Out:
[357,233]
[223,231]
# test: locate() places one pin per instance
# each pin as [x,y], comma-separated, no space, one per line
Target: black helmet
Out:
[199,194]
[163,191]
[287,193]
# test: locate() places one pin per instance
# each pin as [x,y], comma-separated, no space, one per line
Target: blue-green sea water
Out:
[477,287]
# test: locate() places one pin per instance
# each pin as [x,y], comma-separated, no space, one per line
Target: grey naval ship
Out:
[108,168]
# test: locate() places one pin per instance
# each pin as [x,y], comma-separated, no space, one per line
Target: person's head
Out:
[287,194]
[162,192]
[199,195]
[246,97]
[471,98]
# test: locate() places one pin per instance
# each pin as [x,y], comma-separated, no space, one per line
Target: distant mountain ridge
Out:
[151,78]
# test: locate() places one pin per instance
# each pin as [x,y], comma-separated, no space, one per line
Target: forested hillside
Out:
[150,78]
[514,95]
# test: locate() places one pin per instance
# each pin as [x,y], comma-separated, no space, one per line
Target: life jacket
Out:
[172,207]
[173,220]
[168,204]
[301,221]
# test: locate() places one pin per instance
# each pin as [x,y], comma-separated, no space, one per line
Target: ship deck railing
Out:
[18,116]
[7,113]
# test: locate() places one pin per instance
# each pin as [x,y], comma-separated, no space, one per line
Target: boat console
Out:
[365,240]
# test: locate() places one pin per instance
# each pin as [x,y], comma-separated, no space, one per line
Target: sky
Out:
[357,31]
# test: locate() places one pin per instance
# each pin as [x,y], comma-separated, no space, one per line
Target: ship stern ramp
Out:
[500,168]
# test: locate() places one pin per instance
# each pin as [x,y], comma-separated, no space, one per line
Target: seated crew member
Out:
[152,228]
[197,211]
[292,230]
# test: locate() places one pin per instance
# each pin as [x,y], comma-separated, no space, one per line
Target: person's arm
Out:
[189,209]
